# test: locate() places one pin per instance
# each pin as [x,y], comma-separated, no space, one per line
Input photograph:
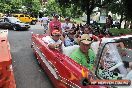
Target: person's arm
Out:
[95,38]
[122,45]
[54,46]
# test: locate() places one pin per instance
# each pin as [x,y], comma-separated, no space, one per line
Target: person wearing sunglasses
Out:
[54,41]
[84,55]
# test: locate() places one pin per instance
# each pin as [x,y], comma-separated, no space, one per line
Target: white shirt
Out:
[49,40]
[45,20]
[66,25]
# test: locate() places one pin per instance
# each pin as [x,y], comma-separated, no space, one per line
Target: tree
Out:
[5,7]
[10,6]
[52,7]
[86,6]
[129,8]
[68,11]
[36,6]
[120,7]
[15,6]
[33,6]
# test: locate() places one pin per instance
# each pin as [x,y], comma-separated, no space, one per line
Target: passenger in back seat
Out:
[69,40]
[84,55]
[54,41]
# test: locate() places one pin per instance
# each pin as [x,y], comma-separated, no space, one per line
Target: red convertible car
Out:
[113,64]
[62,70]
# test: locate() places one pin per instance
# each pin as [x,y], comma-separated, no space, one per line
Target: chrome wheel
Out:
[14,28]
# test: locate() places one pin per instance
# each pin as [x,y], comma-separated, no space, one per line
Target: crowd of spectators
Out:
[70,34]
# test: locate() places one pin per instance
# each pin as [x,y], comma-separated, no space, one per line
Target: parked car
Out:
[26,18]
[7,79]
[13,23]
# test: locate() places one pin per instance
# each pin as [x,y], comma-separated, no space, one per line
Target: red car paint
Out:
[6,73]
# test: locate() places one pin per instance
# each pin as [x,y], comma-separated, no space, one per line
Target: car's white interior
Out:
[68,50]
[95,47]
[113,60]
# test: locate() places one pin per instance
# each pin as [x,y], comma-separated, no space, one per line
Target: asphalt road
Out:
[28,74]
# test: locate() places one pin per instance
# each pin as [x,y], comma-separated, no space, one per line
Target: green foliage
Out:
[7,7]
[15,6]
[36,6]
[32,6]
[10,6]
[86,6]
[118,7]
[121,7]
[68,10]
[4,7]
[52,7]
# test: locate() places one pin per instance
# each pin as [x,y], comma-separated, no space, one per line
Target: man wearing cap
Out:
[84,55]
[55,24]
[54,41]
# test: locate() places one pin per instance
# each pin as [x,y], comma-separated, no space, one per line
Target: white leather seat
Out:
[68,50]
[95,47]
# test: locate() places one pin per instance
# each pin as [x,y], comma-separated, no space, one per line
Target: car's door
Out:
[1,22]
[28,18]
[22,18]
[115,62]
[7,24]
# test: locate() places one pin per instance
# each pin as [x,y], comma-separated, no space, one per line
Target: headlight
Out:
[22,25]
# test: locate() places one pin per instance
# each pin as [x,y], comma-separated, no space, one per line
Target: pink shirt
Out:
[53,24]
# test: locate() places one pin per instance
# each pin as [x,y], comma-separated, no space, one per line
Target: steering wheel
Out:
[116,66]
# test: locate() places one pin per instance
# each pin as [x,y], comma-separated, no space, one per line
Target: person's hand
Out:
[58,47]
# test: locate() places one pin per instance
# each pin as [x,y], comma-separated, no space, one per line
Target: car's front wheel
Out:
[14,28]
[33,22]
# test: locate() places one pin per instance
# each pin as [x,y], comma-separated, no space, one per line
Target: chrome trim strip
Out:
[50,66]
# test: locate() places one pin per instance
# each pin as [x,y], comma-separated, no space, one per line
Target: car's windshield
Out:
[14,20]
[116,60]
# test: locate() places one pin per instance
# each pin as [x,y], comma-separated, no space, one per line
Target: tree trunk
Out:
[121,20]
[125,25]
[88,14]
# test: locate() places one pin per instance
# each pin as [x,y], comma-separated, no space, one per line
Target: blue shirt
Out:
[69,42]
